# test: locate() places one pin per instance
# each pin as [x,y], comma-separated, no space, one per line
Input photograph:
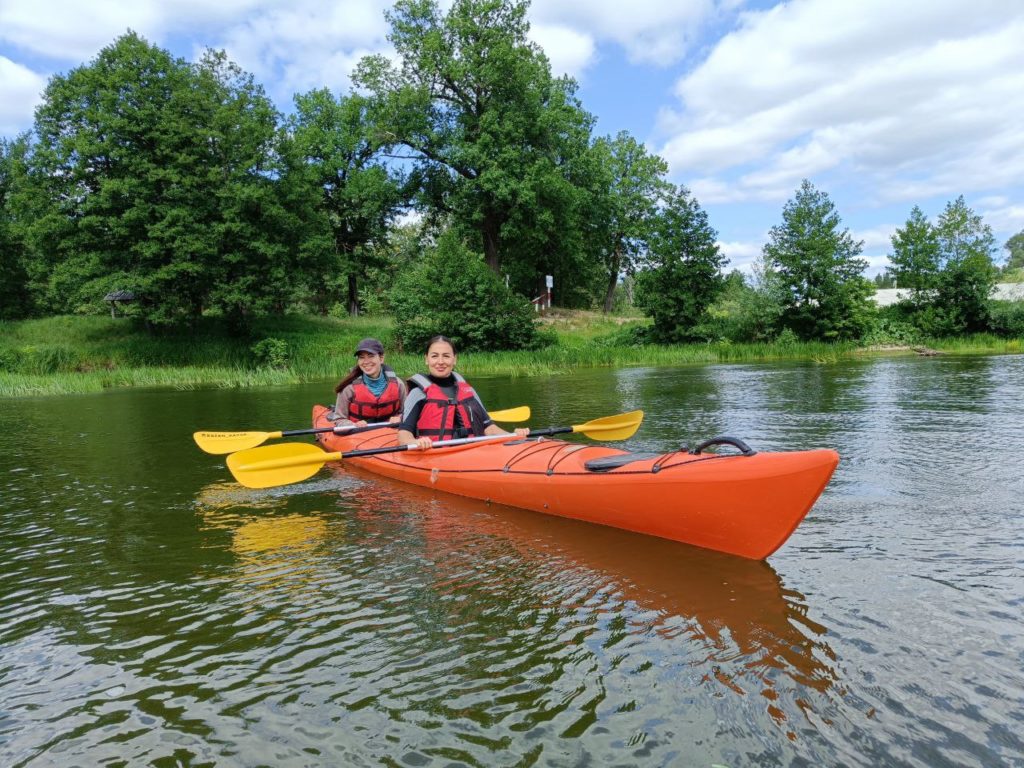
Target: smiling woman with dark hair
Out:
[441,405]
[371,392]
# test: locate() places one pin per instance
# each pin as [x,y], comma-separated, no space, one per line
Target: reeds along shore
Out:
[65,355]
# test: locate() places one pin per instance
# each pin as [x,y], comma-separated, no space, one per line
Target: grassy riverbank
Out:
[64,355]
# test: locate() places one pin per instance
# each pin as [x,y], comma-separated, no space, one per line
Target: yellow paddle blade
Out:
[279,464]
[522,413]
[229,442]
[620,427]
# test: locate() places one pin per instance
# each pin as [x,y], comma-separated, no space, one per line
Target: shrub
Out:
[271,353]
[1007,318]
[544,338]
[452,291]
[626,336]
[787,337]
[1012,276]
[744,312]
[885,331]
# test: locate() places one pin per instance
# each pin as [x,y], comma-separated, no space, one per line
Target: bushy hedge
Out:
[888,329]
[271,353]
[452,292]
[1006,318]
[1002,318]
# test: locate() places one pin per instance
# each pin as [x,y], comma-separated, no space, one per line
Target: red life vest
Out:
[438,416]
[365,406]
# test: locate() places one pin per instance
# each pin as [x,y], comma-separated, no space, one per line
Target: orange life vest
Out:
[365,406]
[443,418]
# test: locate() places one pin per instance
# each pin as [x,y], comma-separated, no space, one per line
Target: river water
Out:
[152,612]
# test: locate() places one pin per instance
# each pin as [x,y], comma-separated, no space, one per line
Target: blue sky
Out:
[883,105]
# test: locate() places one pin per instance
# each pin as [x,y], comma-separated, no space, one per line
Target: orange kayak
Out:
[745,504]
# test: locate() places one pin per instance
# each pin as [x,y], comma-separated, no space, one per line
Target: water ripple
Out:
[153,612]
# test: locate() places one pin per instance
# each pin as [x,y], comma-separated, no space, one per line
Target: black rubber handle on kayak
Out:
[735,442]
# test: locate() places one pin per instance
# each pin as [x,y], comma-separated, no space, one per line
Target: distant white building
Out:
[1003,291]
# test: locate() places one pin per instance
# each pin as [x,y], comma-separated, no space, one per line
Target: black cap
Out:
[369,345]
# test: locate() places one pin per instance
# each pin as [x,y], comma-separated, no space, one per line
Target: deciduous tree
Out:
[358,194]
[968,273]
[15,300]
[486,124]
[629,184]
[915,258]
[685,269]
[161,178]
[1015,249]
[828,297]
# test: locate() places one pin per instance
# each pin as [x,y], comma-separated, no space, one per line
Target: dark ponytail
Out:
[354,374]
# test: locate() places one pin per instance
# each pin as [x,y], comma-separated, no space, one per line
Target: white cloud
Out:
[568,50]
[993,201]
[1006,218]
[709,191]
[303,45]
[929,101]
[878,262]
[877,246]
[875,238]
[289,47]
[741,254]
[650,31]
[20,94]
[73,31]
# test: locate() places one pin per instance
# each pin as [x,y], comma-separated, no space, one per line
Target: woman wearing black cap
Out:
[371,392]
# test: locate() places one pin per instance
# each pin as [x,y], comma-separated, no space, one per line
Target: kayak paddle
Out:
[287,463]
[229,442]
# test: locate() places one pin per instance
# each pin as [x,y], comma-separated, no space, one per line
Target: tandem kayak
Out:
[745,503]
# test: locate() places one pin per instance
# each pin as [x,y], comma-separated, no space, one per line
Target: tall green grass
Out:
[563,359]
[979,343]
[61,355]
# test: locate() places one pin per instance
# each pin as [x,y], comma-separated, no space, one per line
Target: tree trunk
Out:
[353,295]
[490,230]
[613,279]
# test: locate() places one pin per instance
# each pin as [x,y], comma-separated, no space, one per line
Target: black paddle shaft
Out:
[550,431]
[397,448]
[336,430]
[412,446]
